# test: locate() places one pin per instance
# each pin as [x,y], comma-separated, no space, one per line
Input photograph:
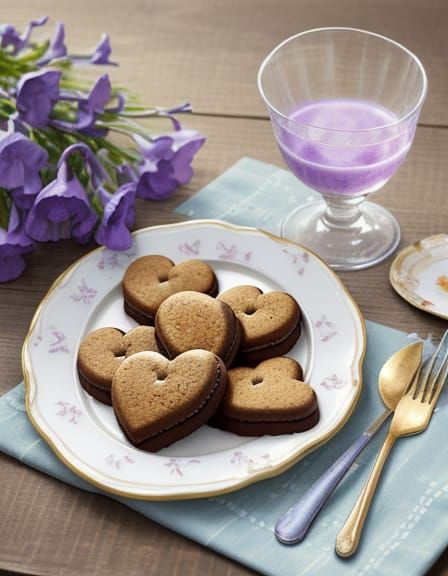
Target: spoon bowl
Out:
[397,373]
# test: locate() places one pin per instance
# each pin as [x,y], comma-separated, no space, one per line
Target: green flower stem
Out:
[9,71]
[119,154]
[14,66]
[146,113]
[109,166]
[5,209]
[7,109]
[126,128]
[63,64]
[75,84]
[35,54]
[44,140]
[125,155]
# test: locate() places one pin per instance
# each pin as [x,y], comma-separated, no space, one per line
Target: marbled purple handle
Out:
[293,525]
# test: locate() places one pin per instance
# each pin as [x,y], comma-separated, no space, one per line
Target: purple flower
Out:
[102,51]
[186,143]
[94,104]
[57,48]
[20,162]
[88,107]
[14,243]
[62,210]
[10,36]
[94,167]
[157,184]
[166,163]
[37,93]
[118,217]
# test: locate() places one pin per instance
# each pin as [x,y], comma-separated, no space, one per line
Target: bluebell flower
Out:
[20,163]
[118,217]
[37,93]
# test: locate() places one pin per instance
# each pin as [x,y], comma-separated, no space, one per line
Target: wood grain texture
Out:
[50,528]
[208,51]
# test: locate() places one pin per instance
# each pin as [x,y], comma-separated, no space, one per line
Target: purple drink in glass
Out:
[332,168]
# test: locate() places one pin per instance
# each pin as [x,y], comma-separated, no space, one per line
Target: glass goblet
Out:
[344,105]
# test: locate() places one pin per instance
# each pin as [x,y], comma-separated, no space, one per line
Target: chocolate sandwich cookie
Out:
[268,399]
[149,280]
[101,353]
[190,320]
[158,401]
[270,322]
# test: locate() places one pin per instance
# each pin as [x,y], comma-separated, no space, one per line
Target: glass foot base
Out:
[370,239]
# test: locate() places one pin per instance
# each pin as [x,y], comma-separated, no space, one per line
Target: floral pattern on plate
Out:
[419,274]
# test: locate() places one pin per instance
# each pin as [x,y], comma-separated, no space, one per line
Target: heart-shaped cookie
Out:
[268,399]
[149,280]
[270,322]
[190,320]
[158,401]
[101,353]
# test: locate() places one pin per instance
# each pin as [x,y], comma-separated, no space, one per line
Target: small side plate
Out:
[419,274]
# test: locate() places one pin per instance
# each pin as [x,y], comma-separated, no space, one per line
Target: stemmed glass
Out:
[344,106]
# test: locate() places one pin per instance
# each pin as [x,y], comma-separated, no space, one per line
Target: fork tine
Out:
[442,377]
[422,384]
[437,371]
[414,383]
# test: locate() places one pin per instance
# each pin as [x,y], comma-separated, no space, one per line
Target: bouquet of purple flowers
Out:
[60,175]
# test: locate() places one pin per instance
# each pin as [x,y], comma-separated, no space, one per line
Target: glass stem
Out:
[342,212]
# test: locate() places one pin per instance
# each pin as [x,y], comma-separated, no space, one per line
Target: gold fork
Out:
[412,415]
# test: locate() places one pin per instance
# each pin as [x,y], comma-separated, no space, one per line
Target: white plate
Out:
[85,434]
[420,275]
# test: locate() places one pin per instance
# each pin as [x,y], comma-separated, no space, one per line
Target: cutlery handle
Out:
[292,526]
[348,538]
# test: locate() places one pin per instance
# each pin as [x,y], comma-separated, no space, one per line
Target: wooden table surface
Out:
[206,52]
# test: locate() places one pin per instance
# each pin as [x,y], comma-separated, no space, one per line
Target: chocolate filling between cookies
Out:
[261,428]
[104,388]
[237,335]
[190,415]
[139,312]
[275,343]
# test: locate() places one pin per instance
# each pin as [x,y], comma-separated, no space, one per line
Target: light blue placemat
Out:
[250,193]
[408,525]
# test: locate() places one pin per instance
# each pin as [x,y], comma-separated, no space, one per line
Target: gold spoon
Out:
[393,380]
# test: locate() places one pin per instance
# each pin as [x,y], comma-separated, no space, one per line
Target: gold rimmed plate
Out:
[419,274]
[84,433]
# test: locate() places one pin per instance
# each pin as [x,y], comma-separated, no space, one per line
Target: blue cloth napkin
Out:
[408,525]
[250,193]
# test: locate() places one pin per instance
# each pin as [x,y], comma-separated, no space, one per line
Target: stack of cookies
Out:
[198,357]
